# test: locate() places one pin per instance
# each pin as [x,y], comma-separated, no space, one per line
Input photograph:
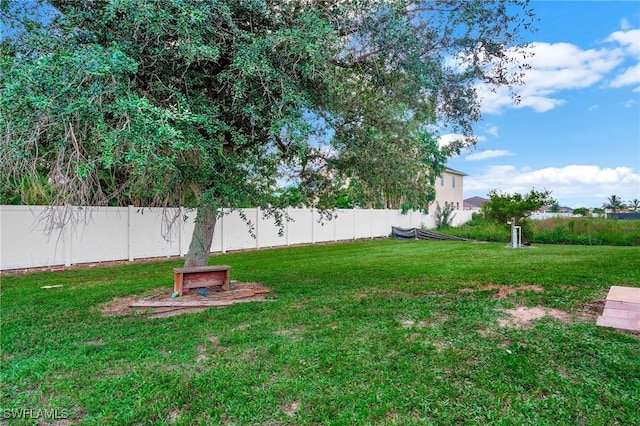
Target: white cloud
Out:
[630,103]
[629,40]
[629,76]
[558,67]
[624,24]
[448,138]
[572,185]
[484,155]
[493,131]
[593,107]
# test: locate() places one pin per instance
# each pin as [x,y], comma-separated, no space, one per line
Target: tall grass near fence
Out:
[587,231]
[558,230]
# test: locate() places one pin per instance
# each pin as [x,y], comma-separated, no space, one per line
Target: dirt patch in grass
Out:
[291,409]
[503,291]
[412,323]
[592,310]
[521,316]
[237,293]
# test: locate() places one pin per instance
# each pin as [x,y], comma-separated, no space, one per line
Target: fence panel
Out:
[156,232]
[268,232]
[236,231]
[299,229]
[324,230]
[101,235]
[345,224]
[379,225]
[24,243]
[121,233]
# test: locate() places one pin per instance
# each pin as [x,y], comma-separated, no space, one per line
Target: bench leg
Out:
[225,282]
[177,283]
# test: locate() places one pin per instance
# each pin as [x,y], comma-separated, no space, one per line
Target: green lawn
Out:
[373,332]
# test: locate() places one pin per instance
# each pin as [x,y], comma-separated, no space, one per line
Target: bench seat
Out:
[201,276]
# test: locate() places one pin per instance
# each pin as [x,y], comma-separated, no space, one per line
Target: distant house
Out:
[474,203]
[449,189]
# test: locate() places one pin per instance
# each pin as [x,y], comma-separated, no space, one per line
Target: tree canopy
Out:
[502,207]
[217,103]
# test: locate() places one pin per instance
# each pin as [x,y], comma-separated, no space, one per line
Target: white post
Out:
[386,222]
[286,227]
[355,218]
[67,244]
[313,219]
[516,236]
[130,233]
[181,238]
[222,249]
[371,223]
[257,222]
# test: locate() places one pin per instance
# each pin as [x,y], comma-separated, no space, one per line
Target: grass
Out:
[587,231]
[373,332]
[580,231]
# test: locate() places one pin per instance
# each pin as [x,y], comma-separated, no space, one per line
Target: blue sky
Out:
[577,130]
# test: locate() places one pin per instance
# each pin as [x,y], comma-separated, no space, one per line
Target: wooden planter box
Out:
[201,276]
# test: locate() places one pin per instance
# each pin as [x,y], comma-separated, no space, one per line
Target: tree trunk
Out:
[200,247]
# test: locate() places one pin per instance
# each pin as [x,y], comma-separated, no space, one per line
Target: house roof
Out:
[474,202]
[454,172]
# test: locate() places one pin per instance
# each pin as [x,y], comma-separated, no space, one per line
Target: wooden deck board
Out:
[621,323]
[622,309]
[620,313]
[625,306]
[624,294]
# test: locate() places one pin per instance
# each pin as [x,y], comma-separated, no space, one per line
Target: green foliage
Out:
[581,211]
[400,332]
[503,208]
[444,216]
[215,103]
[163,102]
[480,229]
[614,203]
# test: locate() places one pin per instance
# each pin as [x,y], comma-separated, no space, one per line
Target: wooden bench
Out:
[201,276]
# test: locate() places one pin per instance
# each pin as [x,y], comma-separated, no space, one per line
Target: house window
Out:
[442,180]
[453,181]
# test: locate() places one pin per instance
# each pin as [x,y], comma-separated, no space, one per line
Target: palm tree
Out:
[613,203]
[634,204]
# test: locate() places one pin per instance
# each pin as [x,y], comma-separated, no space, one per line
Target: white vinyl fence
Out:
[127,233]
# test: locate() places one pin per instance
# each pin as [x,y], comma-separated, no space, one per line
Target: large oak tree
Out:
[215,103]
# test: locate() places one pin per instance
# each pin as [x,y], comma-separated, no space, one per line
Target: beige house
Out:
[449,189]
